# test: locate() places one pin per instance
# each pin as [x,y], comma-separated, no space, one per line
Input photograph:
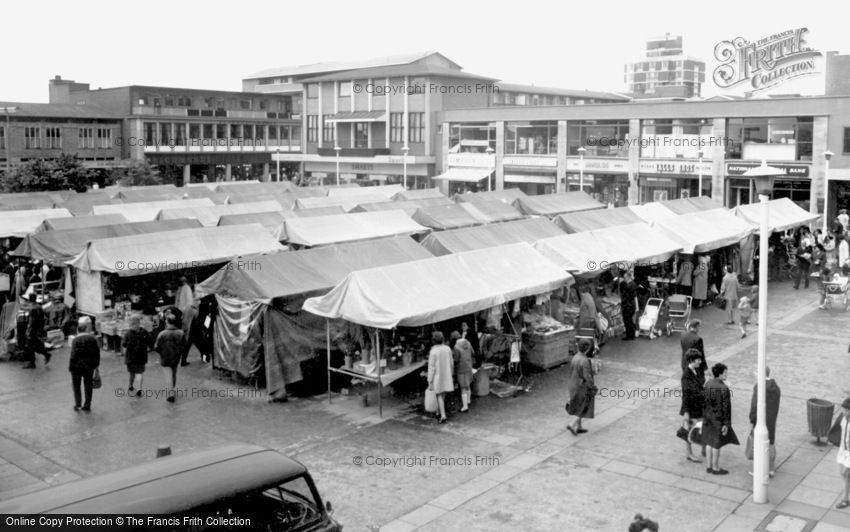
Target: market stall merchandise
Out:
[591,252]
[508,195]
[551,341]
[209,215]
[147,212]
[783,214]
[80,222]
[19,224]
[459,240]
[323,230]
[491,211]
[443,217]
[421,193]
[551,205]
[578,222]
[700,232]
[264,302]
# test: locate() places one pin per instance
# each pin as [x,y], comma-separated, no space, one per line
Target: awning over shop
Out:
[652,212]
[471,238]
[491,211]
[147,212]
[388,191]
[782,214]
[443,217]
[464,175]
[80,204]
[689,205]
[700,232]
[579,222]
[79,222]
[508,195]
[323,230]
[308,270]
[346,202]
[591,252]
[357,116]
[62,245]
[21,223]
[174,250]
[421,193]
[554,204]
[432,290]
[208,216]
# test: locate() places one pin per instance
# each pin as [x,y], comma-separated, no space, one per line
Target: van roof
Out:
[167,485]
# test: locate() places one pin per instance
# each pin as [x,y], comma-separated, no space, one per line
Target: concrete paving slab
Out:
[502,473]
[464,493]
[752,510]
[423,515]
[813,496]
[660,477]
[799,509]
[525,461]
[837,517]
[623,468]
[826,527]
[732,494]
[831,482]
[398,526]
[737,523]
[697,486]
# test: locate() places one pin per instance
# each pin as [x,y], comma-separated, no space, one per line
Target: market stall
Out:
[429,291]
[387,191]
[508,195]
[491,211]
[689,205]
[80,204]
[346,202]
[471,238]
[444,217]
[783,214]
[421,193]
[323,230]
[141,195]
[700,232]
[409,207]
[652,212]
[260,308]
[209,215]
[551,205]
[18,224]
[578,222]
[147,212]
[80,222]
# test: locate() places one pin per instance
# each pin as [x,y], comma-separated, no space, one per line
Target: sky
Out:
[214,44]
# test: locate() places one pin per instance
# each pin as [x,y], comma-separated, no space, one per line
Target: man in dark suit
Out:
[773,394]
[692,340]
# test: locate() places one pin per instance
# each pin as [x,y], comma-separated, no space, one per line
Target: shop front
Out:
[607,180]
[795,184]
[532,175]
[838,196]
[669,179]
[467,172]
[384,172]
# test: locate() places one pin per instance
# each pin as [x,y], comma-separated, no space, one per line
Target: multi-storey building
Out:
[665,71]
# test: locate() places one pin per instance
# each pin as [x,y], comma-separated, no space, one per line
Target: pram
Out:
[837,292]
[679,309]
[648,323]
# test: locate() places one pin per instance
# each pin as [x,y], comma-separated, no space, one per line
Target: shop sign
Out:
[765,63]
[481,160]
[674,167]
[791,170]
[361,167]
[598,165]
[548,162]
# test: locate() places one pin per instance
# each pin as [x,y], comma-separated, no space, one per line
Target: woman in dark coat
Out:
[581,388]
[717,418]
[135,343]
[693,397]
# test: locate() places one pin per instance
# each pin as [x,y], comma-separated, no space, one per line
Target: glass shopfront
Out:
[610,189]
[741,191]
[671,188]
[531,138]
[774,139]
[675,138]
[601,138]
[472,138]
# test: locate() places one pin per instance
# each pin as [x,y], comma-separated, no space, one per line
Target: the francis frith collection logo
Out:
[764,63]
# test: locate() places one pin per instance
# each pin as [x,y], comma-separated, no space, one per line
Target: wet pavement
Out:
[507,464]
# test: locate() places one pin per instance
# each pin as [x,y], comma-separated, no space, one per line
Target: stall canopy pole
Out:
[328,338]
[378,362]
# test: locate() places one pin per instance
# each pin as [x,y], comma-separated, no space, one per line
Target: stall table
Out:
[381,375]
[552,348]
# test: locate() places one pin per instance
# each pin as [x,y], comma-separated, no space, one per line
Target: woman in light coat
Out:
[440,364]
[701,281]
[729,292]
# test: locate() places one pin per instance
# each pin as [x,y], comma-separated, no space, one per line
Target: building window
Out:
[184,101]
[361,134]
[416,126]
[681,138]
[104,138]
[260,134]
[208,131]
[521,99]
[273,134]
[601,138]
[846,148]
[472,138]
[778,139]
[86,138]
[179,134]
[169,100]
[54,137]
[327,130]
[396,127]
[221,131]
[295,136]
[195,133]
[32,137]
[2,138]
[264,105]
[531,138]
[312,128]
[245,104]
[150,134]
[248,134]
[344,89]
[312,90]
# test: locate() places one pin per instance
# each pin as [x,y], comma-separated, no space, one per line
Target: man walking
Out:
[692,340]
[85,359]
[773,395]
[170,345]
[33,341]
[629,304]
[804,264]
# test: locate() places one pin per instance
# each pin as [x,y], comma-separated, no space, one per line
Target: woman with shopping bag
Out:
[440,365]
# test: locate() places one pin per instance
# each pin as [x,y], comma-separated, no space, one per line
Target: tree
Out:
[137,173]
[76,176]
[64,172]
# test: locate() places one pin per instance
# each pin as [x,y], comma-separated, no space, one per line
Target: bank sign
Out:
[766,62]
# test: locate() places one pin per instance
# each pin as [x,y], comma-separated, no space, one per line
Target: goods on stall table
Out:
[611,306]
[551,349]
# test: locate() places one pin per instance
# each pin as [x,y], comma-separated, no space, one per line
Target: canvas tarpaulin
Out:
[508,195]
[554,204]
[652,212]
[322,230]
[387,191]
[346,202]
[421,193]
[491,211]
[592,252]
[485,236]
[209,216]
[782,214]
[433,290]
[174,250]
[80,222]
[271,221]
[409,207]
[19,224]
[443,217]
[579,222]
[147,212]
[82,203]
[700,232]
[141,195]
[689,205]
[63,245]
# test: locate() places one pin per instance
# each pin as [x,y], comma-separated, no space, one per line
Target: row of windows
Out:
[52,138]
[284,105]
[416,128]
[176,133]
[647,66]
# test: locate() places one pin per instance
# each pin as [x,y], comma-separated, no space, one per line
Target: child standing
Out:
[745,311]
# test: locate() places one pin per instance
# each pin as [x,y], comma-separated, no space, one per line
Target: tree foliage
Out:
[136,174]
[63,172]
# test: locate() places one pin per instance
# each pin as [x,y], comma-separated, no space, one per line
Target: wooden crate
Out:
[551,350]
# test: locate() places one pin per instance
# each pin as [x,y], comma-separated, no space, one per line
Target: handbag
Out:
[748,449]
[834,436]
[430,401]
[682,433]
[95,380]
[721,302]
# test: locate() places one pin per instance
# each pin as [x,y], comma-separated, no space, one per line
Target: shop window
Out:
[328,130]
[416,127]
[344,89]
[396,127]
[846,143]
[312,128]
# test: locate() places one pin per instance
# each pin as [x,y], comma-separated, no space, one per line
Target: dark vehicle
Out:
[244,486]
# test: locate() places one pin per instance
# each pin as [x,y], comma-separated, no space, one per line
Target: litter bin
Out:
[819,415]
[481,383]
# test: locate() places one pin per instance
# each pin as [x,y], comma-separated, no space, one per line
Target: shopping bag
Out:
[95,380]
[834,436]
[748,449]
[430,401]
[601,322]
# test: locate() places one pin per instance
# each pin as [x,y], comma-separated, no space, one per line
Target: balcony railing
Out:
[353,152]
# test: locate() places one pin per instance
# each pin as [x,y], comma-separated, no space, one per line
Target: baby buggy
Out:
[679,309]
[651,321]
[836,291]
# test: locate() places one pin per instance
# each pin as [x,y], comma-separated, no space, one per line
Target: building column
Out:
[500,156]
[634,162]
[320,123]
[266,177]
[818,170]
[718,161]
[187,174]
[228,172]
[387,110]
[561,171]
[211,173]
[443,161]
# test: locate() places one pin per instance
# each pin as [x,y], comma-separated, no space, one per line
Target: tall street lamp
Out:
[699,169]
[404,163]
[7,136]
[492,162]
[278,163]
[337,149]
[763,177]
[826,155]
[581,152]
